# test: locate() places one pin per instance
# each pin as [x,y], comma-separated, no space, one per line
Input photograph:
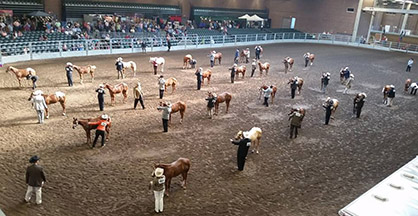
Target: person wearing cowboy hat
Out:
[101,129]
[328,105]
[69,71]
[100,96]
[138,95]
[348,83]
[233,71]
[253,67]
[166,108]
[161,85]
[391,95]
[35,179]
[39,104]
[295,119]
[243,146]
[199,77]
[325,81]
[358,103]
[212,58]
[119,67]
[158,186]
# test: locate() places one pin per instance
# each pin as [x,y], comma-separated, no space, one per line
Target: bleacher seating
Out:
[234,31]
[204,32]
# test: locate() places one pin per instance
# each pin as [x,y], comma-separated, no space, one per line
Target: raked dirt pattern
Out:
[318,173]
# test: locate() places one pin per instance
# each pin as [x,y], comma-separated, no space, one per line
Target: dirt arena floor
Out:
[318,173]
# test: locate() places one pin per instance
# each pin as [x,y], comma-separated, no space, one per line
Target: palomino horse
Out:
[299,81]
[310,57]
[88,128]
[334,107]
[224,97]
[119,88]
[160,62]
[51,99]
[179,106]
[85,70]
[407,84]
[21,73]
[207,74]
[385,92]
[264,67]
[171,82]
[180,166]
[186,61]
[254,135]
[129,64]
[219,57]
[288,64]
[273,93]
[241,70]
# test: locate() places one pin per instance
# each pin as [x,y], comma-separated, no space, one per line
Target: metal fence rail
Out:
[14,52]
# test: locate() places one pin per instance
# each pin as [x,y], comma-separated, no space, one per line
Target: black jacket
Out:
[243,146]
[391,93]
[35,175]
[119,66]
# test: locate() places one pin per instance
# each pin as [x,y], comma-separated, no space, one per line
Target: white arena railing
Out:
[16,52]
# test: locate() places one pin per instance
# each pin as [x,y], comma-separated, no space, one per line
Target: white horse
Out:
[160,61]
[131,65]
[254,135]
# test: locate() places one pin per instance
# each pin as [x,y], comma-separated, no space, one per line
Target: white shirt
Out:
[267,92]
[410,62]
[161,84]
[38,102]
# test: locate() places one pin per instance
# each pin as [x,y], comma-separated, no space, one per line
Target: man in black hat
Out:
[35,179]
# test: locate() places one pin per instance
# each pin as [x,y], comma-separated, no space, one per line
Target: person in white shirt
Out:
[38,102]
[267,94]
[409,66]
[161,84]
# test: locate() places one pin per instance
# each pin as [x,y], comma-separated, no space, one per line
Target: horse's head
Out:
[75,123]
[239,135]
[8,69]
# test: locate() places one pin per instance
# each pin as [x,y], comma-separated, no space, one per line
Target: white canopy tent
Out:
[246,16]
[255,18]
[397,195]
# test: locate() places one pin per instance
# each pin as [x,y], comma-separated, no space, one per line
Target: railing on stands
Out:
[14,52]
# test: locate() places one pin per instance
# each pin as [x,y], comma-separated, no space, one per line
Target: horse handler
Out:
[211,103]
[35,179]
[158,186]
[161,85]
[267,93]
[295,119]
[233,70]
[166,108]
[139,95]
[100,96]
[253,67]
[69,72]
[119,67]
[243,146]
[101,129]
[38,102]
[199,78]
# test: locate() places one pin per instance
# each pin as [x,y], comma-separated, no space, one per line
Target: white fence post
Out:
[246,38]
[197,41]
[275,34]
[306,35]
[31,51]
[293,36]
[132,44]
[390,46]
[256,37]
[60,48]
[283,36]
[110,46]
[235,38]
[86,44]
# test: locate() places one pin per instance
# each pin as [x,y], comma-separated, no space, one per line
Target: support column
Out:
[371,21]
[357,20]
[405,17]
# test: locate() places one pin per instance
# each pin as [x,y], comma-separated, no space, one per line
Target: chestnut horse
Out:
[51,99]
[224,97]
[180,166]
[310,56]
[21,73]
[186,61]
[385,92]
[288,64]
[207,74]
[241,70]
[273,93]
[264,67]
[179,106]
[335,104]
[85,124]
[171,82]
[407,84]
[254,135]
[300,83]
[85,70]
[119,88]
[219,57]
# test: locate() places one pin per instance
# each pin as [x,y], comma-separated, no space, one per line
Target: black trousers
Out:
[414,91]
[212,63]
[293,92]
[165,125]
[252,72]
[257,56]
[293,128]
[199,83]
[306,62]
[101,103]
[240,162]
[408,68]
[266,101]
[155,70]
[161,94]
[327,116]
[99,133]
[358,112]
[141,101]
[70,79]
[232,79]
[120,74]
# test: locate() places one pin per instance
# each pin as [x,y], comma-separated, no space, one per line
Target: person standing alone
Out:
[199,78]
[35,179]
[409,66]
[69,71]
[100,96]
[158,186]
[161,85]
[139,95]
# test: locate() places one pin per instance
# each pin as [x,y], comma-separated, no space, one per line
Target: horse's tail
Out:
[133,64]
[183,105]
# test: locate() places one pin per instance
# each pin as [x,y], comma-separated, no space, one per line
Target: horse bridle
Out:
[75,123]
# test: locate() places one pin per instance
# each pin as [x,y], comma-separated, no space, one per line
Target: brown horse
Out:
[85,124]
[310,57]
[385,92]
[407,84]
[219,57]
[171,82]
[224,97]
[119,88]
[244,55]
[51,99]
[288,64]
[21,73]
[273,93]
[180,166]
[179,106]
[241,70]
[299,81]
[207,74]
[85,70]
[264,67]
[186,61]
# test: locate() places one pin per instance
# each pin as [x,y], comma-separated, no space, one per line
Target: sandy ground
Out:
[318,173]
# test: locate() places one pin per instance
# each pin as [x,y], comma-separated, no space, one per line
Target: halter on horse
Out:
[254,135]
[179,106]
[88,128]
[21,73]
[119,88]
[180,166]
[85,70]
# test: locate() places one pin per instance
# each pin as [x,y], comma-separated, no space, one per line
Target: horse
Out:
[186,61]
[254,135]
[180,166]
[288,63]
[241,70]
[273,93]
[224,97]
[160,61]
[264,66]
[51,99]
[178,106]
[85,124]
[385,92]
[299,81]
[300,110]
[119,88]
[219,57]
[21,73]
[129,64]
[85,70]
[407,84]
[171,82]
[207,74]
[310,57]
[335,104]
[243,56]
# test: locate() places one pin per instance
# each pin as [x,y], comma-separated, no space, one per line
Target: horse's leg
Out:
[258,145]
[20,83]
[181,116]
[125,96]
[63,107]
[162,68]
[227,106]
[88,137]
[92,76]
[107,133]
[183,184]
[216,108]
[208,80]
[81,78]
[47,113]
[220,60]
[112,99]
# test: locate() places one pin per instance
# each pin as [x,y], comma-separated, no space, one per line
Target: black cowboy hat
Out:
[34,159]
